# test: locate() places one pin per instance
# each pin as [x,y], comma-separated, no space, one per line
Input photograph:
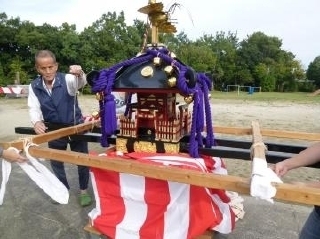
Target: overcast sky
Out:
[295,22]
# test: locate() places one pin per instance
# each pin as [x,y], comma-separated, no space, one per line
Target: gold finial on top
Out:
[159,19]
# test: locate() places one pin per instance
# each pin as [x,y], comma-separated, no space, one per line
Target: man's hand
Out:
[39,127]
[76,70]
[280,168]
[11,155]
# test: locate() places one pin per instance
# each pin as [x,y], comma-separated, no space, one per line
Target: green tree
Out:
[111,40]
[70,44]
[17,75]
[313,71]
[8,44]
[224,47]
[262,49]
[200,58]
[257,60]
[263,77]
[2,76]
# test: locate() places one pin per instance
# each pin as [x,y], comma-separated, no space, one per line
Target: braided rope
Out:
[255,145]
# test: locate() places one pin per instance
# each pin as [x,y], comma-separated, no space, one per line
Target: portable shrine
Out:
[159,122]
[154,122]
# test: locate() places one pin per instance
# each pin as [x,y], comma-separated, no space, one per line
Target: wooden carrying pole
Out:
[268,132]
[285,192]
[56,134]
[258,147]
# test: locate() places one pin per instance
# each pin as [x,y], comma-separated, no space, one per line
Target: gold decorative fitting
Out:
[147,71]
[99,96]
[168,70]
[142,146]
[172,81]
[167,28]
[95,114]
[121,145]
[152,7]
[171,148]
[158,17]
[157,61]
[172,55]
[188,99]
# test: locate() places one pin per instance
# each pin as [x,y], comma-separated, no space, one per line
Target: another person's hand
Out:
[39,127]
[76,70]
[11,155]
[280,168]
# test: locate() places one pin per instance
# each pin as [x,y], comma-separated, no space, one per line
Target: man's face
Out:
[47,68]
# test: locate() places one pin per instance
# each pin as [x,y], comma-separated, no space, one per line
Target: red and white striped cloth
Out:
[11,90]
[135,207]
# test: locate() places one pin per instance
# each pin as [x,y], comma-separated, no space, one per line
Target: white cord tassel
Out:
[42,176]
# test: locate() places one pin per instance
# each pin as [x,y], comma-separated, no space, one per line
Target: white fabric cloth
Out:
[236,204]
[6,170]
[42,176]
[261,180]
